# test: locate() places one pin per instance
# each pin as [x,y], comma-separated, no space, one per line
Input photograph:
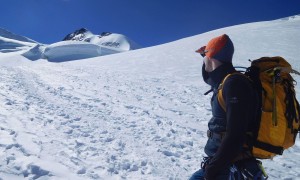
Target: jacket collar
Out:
[216,76]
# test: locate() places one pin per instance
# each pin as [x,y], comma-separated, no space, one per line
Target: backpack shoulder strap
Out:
[220,90]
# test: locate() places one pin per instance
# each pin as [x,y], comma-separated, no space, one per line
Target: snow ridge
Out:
[112,40]
[10,35]
[81,44]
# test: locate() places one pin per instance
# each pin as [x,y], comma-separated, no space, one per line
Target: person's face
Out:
[211,64]
[208,64]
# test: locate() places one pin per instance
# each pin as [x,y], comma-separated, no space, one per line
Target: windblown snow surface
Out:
[134,115]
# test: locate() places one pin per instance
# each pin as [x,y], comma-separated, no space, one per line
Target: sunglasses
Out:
[202,51]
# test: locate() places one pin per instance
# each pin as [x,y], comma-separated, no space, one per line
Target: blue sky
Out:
[148,22]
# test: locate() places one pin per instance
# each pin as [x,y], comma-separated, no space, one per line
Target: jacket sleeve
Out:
[239,98]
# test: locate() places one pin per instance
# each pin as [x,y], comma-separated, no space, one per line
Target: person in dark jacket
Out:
[229,157]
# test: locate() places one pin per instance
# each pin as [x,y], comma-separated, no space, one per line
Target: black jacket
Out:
[241,105]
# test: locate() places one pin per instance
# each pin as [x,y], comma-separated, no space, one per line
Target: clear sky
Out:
[148,22]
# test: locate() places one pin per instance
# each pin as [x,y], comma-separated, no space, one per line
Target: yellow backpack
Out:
[279,119]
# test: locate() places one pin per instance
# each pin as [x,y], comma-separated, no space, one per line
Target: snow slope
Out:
[136,115]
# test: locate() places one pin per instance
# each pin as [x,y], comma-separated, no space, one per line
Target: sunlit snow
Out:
[138,114]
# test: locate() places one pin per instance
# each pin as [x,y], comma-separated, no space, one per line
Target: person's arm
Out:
[238,97]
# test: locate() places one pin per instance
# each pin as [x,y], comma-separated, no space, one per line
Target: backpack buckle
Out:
[209,134]
[215,135]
